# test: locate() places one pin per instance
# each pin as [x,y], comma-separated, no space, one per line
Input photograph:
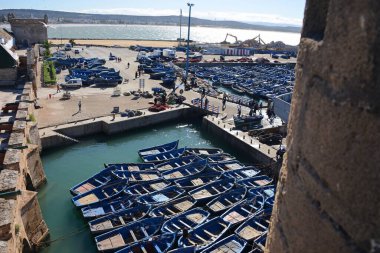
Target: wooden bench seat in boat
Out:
[115,241]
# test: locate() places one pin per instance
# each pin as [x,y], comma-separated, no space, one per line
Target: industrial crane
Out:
[233,36]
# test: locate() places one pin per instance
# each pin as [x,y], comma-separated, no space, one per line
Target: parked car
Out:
[76,51]
[72,83]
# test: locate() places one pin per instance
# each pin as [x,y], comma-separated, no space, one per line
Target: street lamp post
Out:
[188,41]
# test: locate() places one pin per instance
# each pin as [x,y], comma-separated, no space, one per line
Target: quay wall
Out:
[57,136]
[247,146]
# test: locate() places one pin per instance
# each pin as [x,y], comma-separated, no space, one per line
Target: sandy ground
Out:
[97,102]
[121,43]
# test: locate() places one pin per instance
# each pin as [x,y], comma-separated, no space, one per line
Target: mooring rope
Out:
[61,238]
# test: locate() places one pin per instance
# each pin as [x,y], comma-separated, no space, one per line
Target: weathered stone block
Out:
[8,180]
[34,164]
[23,106]
[19,126]
[16,139]
[5,246]
[35,227]
[7,215]
[21,115]
[12,159]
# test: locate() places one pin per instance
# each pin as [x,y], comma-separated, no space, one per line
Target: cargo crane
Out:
[255,42]
[233,36]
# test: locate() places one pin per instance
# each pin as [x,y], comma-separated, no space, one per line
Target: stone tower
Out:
[328,193]
[28,31]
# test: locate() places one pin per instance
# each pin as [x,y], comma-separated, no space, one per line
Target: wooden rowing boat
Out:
[118,219]
[185,221]
[125,236]
[206,234]
[226,200]
[158,149]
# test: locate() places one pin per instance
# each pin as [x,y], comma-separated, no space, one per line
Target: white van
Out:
[141,54]
[72,83]
[68,47]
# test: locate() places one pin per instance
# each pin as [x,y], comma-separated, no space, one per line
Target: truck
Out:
[68,47]
[168,53]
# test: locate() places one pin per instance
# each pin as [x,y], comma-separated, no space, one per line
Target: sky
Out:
[269,11]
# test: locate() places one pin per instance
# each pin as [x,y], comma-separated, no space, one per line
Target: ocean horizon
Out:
[159,32]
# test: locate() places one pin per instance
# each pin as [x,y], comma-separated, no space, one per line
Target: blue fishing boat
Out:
[254,227]
[206,234]
[259,243]
[185,171]
[227,200]
[226,165]
[220,158]
[165,156]
[185,221]
[107,207]
[267,191]
[147,187]
[230,244]
[118,219]
[130,166]
[256,250]
[269,202]
[100,193]
[158,149]
[237,89]
[169,80]
[158,244]
[212,190]
[246,122]
[190,249]
[204,152]
[137,176]
[242,211]
[254,182]
[100,179]
[160,197]
[177,162]
[133,232]
[242,173]
[174,207]
[192,182]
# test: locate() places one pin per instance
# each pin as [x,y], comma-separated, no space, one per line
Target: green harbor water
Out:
[70,165]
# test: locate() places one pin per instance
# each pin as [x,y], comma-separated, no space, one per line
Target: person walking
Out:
[128,64]
[224,101]
[206,103]
[239,110]
[260,107]
[256,107]
[80,106]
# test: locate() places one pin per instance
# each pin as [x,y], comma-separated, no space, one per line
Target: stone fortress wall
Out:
[22,227]
[328,193]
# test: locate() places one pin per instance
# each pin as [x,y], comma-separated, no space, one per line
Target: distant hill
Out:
[72,17]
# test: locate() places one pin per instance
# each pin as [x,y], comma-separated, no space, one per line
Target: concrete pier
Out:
[64,134]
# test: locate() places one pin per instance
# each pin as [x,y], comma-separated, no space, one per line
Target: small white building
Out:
[6,39]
